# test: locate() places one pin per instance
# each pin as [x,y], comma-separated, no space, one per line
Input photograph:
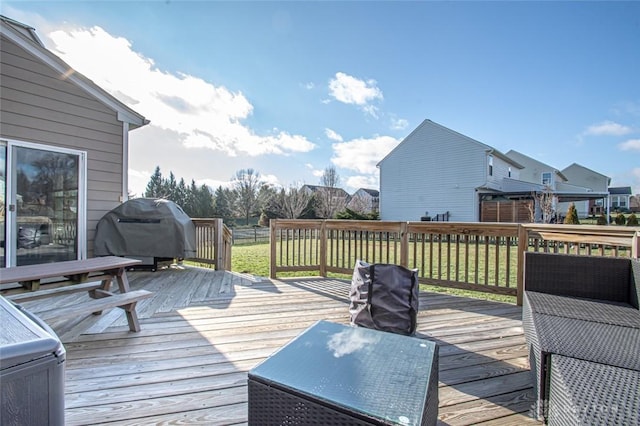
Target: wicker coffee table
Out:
[336,374]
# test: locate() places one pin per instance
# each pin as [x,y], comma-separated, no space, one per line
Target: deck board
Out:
[203,330]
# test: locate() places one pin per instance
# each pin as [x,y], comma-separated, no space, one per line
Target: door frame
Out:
[11,202]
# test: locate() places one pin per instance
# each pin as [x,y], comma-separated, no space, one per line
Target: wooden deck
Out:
[203,330]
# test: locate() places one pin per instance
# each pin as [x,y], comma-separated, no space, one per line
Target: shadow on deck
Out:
[203,330]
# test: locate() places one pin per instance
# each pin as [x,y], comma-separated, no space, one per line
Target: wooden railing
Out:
[477,256]
[213,243]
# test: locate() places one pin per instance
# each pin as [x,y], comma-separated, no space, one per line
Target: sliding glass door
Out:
[44,205]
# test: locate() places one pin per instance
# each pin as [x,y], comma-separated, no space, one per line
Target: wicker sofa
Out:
[581,320]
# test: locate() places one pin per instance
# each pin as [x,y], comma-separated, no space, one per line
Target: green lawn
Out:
[254,259]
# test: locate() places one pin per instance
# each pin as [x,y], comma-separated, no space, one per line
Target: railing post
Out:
[272,244]
[404,245]
[219,250]
[635,245]
[323,248]
[523,243]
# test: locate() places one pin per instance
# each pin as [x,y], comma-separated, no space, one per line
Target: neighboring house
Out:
[328,200]
[436,170]
[365,201]
[63,152]
[563,190]
[597,183]
[620,198]
[535,171]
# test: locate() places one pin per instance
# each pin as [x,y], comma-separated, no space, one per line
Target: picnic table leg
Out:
[130,310]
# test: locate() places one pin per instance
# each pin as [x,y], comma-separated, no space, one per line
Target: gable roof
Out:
[371,192]
[336,191]
[25,37]
[489,149]
[586,169]
[522,158]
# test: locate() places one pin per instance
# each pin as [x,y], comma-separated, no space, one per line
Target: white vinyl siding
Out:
[433,170]
[40,106]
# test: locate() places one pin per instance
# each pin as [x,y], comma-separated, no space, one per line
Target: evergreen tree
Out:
[620,219]
[223,204]
[632,220]
[201,200]
[154,188]
[169,186]
[181,195]
[572,216]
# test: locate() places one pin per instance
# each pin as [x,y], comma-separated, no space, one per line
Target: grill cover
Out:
[146,227]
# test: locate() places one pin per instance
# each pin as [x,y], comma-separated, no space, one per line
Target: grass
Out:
[254,259]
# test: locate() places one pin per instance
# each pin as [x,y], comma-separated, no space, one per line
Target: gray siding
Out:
[586,178]
[38,105]
[434,169]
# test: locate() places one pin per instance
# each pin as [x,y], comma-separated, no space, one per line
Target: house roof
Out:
[372,192]
[620,190]
[522,158]
[488,149]
[314,188]
[574,165]
[25,37]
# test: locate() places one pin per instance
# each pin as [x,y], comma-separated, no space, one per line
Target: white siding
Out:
[500,171]
[434,169]
[533,169]
[41,107]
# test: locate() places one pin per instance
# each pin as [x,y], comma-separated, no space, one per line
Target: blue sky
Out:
[290,88]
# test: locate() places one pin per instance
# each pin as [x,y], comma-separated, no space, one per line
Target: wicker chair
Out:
[583,308]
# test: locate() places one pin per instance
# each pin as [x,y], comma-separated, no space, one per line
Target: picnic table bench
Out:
[93,275]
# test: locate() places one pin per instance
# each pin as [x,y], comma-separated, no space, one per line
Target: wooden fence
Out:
[213,243]
[477,256]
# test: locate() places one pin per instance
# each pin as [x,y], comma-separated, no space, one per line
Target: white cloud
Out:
[630,145]
[138,181]
[215,184]
[362,155]
[351,90]
[399,124]
[270,180]
[361,181]
[332,135]
[202,114]
[608,128]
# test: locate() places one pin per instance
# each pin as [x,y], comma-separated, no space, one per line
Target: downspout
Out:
[125,162]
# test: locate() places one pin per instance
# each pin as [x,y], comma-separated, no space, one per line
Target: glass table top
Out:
[381,375]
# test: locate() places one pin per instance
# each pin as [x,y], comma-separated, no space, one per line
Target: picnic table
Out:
[93,275]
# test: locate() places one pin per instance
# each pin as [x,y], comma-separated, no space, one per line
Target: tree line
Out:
[249,197]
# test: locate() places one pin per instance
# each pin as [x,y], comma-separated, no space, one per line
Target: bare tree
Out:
[544,202]
[246,185]
[360,205]
[294,202]
[330,177]
[329,198]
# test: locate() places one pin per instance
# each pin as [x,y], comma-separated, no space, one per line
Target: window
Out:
[509,172]
[546,179]
[491,165]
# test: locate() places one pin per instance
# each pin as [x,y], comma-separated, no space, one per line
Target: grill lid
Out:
[146,227]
